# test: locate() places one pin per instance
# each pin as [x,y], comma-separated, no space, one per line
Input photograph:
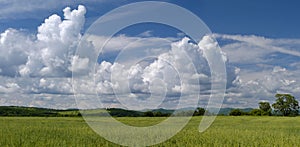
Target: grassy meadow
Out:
[225,131]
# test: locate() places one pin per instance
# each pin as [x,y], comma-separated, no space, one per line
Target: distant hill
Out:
[46,112]
[115,112]
[162,110]
[33,111]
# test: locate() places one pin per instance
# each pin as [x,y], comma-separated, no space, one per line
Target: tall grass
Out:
[225,131]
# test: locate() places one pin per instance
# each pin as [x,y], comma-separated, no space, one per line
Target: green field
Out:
[225,131]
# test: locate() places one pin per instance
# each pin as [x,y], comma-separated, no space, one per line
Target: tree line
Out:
[285,105]
[38,112]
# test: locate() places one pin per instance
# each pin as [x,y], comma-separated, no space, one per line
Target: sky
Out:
[44,43]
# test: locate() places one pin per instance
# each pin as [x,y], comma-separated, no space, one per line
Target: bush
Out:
[256,112]
[236,112]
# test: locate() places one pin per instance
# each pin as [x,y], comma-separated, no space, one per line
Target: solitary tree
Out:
[265,107]
[286,104]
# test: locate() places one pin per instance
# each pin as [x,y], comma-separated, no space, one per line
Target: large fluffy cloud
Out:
[56,43]
[35,69]
[39,66]
[49,53]
[29,63]
[176,73]
[166,67]
[14,48]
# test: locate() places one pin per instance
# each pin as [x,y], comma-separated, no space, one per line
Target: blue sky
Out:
[274,19]
[260,39]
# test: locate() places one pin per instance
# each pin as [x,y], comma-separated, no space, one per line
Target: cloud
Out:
[257,46]
[45,62]
[120,42]
[14,48]
[29,62]
[264,66]
[264,86]
[56,43]
[172,74]
[61,86]
[146,34]
[79,64]
[35,69]
[40,65]
[49,53]
[9,88]
[164,68]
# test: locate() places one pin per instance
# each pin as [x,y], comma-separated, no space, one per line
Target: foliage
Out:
[265,108]
[117,112]
[160,114]
[237,112]
[256,112]
[286,105]
[149,114]
[31,111]
[226,111]
[44,112]
[156,114]
[199,112]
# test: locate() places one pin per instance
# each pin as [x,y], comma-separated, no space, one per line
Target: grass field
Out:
[225,131]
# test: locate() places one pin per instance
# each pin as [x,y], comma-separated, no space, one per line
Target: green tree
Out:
[236,112]
[149,114]
[286,105]
[265,107]
[199,112]
[256,112]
